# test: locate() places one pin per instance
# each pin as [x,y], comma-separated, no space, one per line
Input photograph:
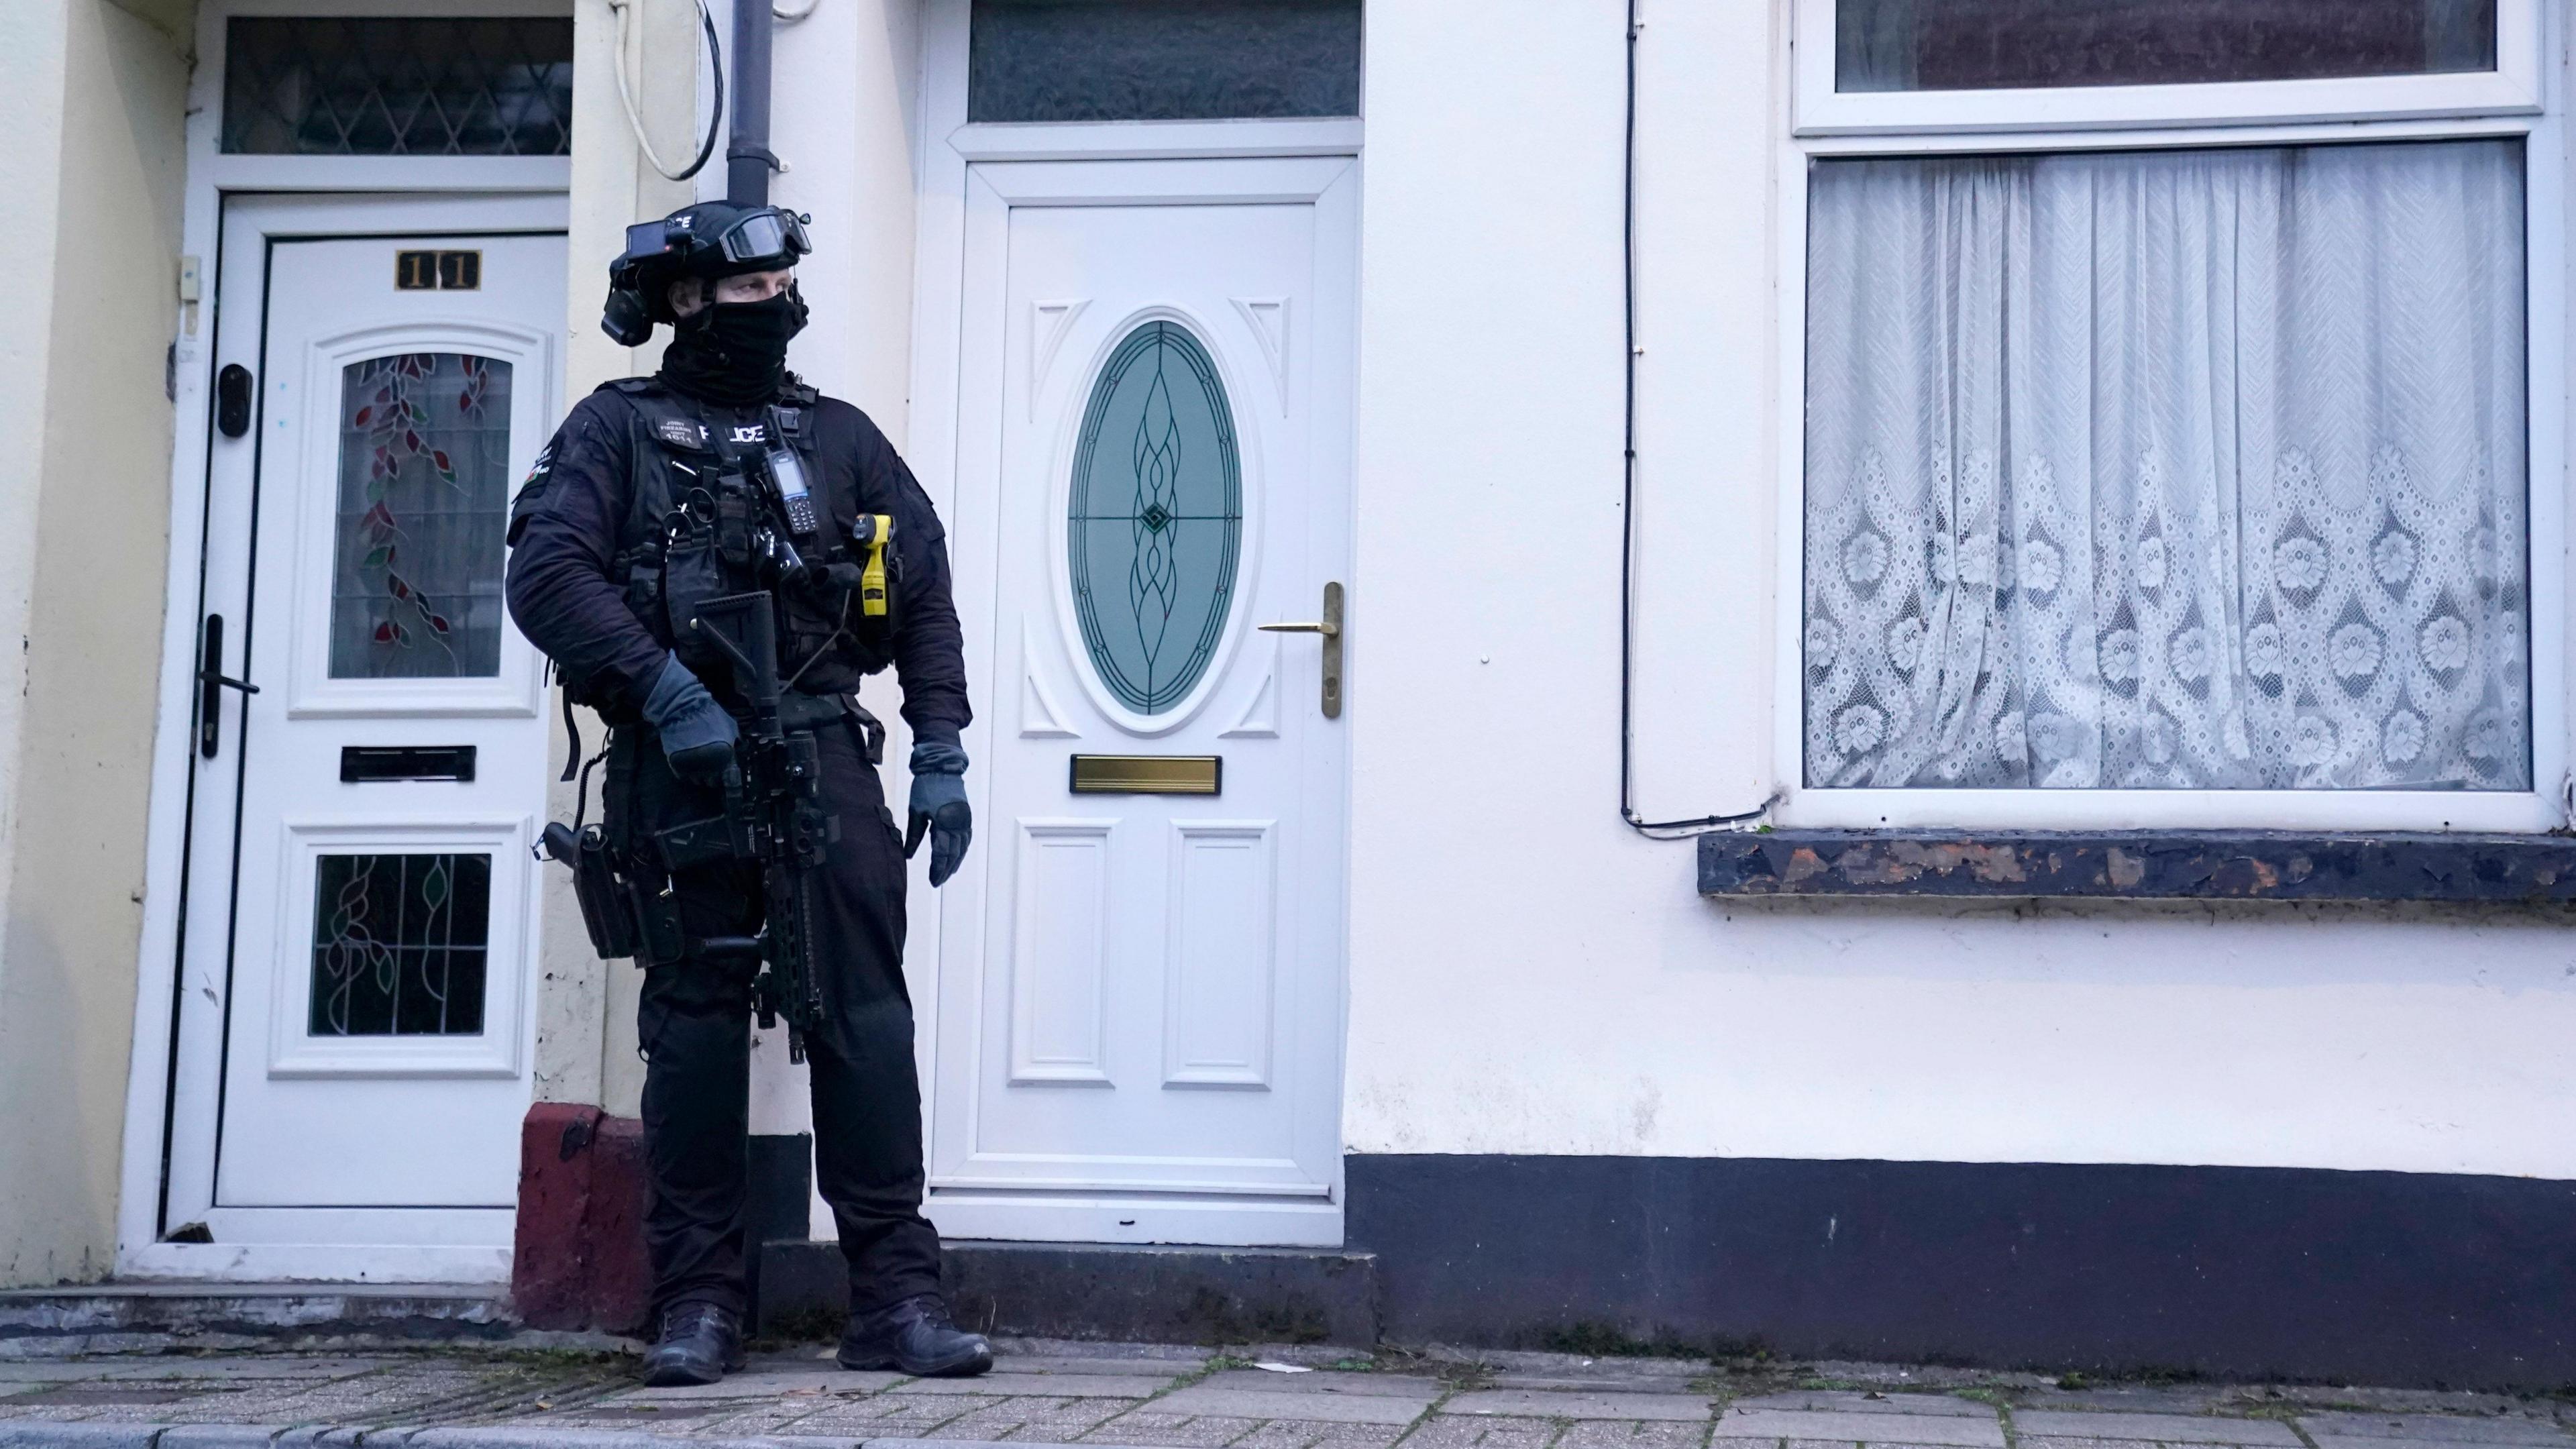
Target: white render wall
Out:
[845,103]
[1527,975]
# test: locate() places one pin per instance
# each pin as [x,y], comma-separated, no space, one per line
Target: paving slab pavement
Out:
[2447,1441]
[1540,1404]
[1845,1426]
[2030,1424]
[2144,1399]
[1328,1381]
[1668,1381]
[1175,1362]
[1088,1386]
[1289,1403]
[1467,1432]
[1105,1396]
[2371,1429]
[1862,1401]
[1870,1444]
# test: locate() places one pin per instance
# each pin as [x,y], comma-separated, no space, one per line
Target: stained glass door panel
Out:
[424,498]
[399,944]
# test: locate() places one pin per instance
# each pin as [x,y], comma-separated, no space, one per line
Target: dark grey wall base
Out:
[2350,1277]
[2141,865]
[1152,1294]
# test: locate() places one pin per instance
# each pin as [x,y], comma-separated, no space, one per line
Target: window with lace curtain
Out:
[2194,466]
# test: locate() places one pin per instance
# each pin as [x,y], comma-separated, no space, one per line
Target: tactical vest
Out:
[708,515]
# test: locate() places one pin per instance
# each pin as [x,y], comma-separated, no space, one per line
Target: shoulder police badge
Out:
[545,464]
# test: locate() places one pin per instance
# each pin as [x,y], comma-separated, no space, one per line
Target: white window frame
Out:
[2514,87]
[2535,115]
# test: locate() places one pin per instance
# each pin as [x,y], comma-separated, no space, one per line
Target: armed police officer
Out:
[660,507]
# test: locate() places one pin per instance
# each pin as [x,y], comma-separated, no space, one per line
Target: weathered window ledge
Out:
[2140,865]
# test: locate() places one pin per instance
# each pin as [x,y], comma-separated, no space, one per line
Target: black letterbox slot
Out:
[361,763]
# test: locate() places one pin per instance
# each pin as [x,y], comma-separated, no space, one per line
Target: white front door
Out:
[356,998]
[1141,993]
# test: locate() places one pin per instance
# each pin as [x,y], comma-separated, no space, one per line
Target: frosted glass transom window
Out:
[2169,470]
[1162,60]
[1156,517]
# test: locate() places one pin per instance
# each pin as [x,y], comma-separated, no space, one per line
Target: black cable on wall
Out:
[1658,829]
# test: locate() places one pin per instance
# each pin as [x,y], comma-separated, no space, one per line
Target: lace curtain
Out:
[2197,469]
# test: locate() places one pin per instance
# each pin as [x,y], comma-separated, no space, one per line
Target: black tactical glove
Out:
[939,807]
[697,734]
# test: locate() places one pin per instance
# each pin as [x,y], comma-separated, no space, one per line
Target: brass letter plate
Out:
[1147,774]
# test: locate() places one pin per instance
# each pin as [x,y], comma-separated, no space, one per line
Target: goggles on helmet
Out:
[770,237]
[710,240]
[764,240]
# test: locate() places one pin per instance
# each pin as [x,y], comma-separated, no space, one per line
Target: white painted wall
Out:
[1529,976]
[846,97]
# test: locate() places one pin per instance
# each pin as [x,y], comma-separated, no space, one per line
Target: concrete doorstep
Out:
[1059,1395]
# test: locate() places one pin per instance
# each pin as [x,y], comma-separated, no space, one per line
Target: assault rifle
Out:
[773,818]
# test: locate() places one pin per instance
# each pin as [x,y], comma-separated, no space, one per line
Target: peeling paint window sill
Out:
[2140,865]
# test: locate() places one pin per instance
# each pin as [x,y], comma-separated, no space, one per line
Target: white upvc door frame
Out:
[950,147]
[2538,119]
[539,186]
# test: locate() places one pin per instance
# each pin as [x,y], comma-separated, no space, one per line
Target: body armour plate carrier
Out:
[719,508]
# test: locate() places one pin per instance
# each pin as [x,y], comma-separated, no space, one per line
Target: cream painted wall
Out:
[586,1006]
[1528,975]
[844,89]
[93,98]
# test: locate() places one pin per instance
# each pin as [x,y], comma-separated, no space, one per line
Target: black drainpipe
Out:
[748,161]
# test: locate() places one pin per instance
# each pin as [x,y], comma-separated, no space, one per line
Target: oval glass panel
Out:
[1156,517]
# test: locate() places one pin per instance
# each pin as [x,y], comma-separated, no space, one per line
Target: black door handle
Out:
[211,684]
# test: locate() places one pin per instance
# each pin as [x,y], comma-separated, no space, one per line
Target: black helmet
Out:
[711,239]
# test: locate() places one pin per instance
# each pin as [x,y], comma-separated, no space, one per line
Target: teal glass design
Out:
[1157,517]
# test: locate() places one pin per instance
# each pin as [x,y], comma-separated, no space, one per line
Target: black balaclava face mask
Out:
[734,354]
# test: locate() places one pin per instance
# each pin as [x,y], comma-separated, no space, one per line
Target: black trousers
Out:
[695,1028]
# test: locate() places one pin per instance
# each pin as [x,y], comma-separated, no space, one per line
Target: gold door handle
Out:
[1330,627]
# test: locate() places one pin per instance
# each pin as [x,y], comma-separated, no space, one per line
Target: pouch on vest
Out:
[693,572]
[661,941]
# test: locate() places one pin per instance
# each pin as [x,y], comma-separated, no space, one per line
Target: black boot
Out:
[700,1344]
[917,1337]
